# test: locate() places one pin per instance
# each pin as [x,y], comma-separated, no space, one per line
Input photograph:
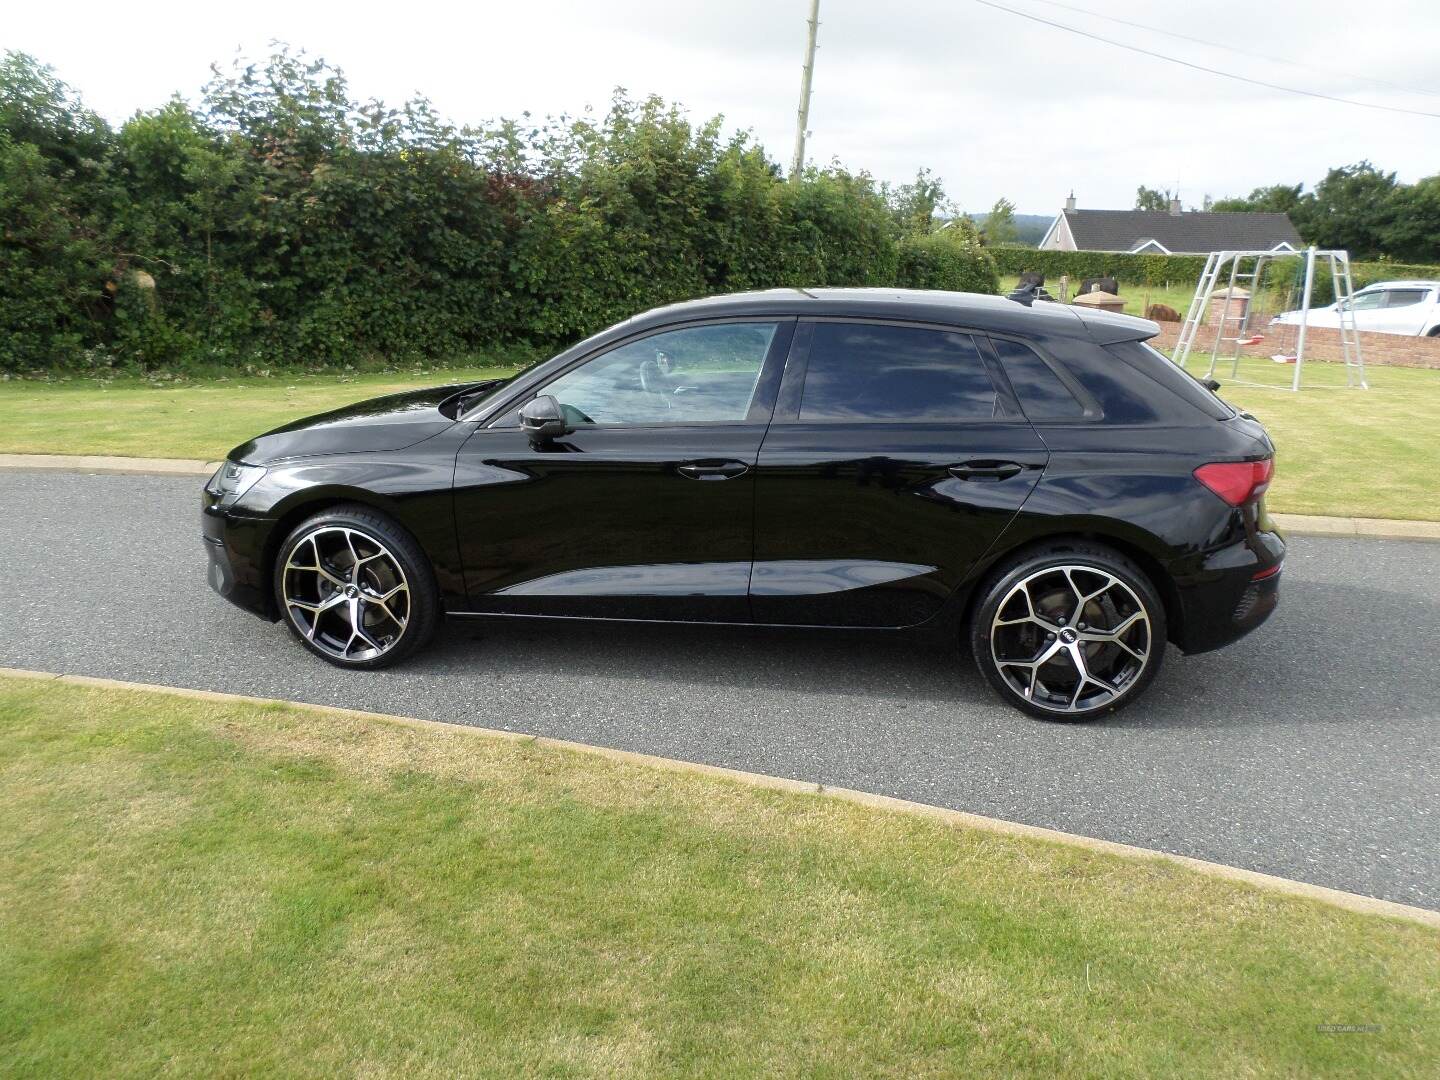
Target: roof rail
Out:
[1028,292]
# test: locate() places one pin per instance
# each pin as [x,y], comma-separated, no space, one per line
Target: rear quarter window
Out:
[1043,394]
[1155,365]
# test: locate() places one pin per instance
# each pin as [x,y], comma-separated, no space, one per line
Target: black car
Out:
[1032,477]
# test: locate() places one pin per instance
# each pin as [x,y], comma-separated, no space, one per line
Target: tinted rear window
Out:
[859,371]
[1042,394]
[1158,367]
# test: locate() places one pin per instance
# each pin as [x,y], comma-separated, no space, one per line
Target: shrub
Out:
[951,258]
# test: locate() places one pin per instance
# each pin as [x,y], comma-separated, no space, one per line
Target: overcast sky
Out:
[994,104]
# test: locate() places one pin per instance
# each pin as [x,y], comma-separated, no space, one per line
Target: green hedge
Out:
[951,259]
[283,223]
[1124,268]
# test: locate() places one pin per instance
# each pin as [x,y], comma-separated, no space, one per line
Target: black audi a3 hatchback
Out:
[1033,479]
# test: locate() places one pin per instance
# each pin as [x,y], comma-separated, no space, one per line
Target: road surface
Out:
[1308,750]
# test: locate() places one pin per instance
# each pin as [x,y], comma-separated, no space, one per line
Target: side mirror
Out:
[542,419]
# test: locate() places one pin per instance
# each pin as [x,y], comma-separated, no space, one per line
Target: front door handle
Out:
[713,470]
[986,470]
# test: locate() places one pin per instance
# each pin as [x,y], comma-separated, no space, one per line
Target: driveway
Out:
[1308,750]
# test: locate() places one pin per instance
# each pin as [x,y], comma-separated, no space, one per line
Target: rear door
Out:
[896,457]
[1406,309]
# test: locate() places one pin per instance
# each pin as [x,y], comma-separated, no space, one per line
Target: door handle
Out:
[713,470]
[986,470]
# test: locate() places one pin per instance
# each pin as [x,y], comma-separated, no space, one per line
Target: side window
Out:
[1366,301]
[1042,394]
[694,375]
[1405,297]
[859,371]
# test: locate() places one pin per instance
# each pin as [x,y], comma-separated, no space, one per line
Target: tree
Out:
[38,109]
[1353,208]
[1152,198]
[916,205]
[1000,224]
[1413,231]
[1275,199]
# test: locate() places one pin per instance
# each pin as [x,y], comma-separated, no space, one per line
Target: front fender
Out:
[415,490]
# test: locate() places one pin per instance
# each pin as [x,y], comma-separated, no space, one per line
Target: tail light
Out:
[1237,482]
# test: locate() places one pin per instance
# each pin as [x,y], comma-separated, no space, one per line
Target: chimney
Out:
[1070,202]
[1175,207]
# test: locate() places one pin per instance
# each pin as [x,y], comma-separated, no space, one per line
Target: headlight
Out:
[233,480]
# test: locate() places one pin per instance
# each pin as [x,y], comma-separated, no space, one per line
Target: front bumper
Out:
[1237,589]
[235,545]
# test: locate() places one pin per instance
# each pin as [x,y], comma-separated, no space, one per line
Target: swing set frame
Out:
[1239,267]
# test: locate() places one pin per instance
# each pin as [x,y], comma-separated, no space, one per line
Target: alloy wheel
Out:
[1070,639]
[346,593]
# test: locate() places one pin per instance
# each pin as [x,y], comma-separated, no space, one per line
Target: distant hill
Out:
[1031,227]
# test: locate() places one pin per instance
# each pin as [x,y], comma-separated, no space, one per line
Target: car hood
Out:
[392,422]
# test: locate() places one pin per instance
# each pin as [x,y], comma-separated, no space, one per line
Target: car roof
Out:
[1415,283]
[978,311]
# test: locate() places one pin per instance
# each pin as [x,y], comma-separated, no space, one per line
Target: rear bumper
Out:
[1236,590]
[234,546]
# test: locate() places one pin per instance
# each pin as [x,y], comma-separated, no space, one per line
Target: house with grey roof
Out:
[1172,232]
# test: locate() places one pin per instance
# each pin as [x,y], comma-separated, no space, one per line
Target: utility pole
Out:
[803,118]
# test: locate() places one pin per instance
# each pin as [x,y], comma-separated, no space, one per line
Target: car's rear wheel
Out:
[1069,632]
[355,588]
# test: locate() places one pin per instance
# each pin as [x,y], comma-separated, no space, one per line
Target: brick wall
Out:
[1382,350]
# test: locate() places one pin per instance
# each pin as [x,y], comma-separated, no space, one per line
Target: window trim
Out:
[759,413]
[1424,297]
[792,387]
[1091,413]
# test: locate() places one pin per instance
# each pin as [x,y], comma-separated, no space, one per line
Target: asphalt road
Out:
[1309,750]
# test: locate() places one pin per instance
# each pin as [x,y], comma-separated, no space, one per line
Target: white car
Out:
[1387,307]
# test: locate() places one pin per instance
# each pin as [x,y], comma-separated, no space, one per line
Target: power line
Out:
[1241,52]
[1202,67]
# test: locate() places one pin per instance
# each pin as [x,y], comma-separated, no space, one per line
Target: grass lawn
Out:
[199,418]
[219,889]
[1358,453]
[1177,296]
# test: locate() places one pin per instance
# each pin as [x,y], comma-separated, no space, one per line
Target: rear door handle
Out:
[986,470]
[713,470]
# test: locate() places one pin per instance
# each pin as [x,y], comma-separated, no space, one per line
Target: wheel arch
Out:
[1152,567]
[302,505]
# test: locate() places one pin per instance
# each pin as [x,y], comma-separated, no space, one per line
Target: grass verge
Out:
[184,418]
[206,888]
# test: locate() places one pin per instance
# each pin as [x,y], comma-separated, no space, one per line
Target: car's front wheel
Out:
[1069,632]
[356,588]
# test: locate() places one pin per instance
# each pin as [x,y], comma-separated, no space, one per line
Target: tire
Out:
[1051,600]
[1434,332]
[347,564]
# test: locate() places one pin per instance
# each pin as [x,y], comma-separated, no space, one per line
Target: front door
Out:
[646,510]
[891,465]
